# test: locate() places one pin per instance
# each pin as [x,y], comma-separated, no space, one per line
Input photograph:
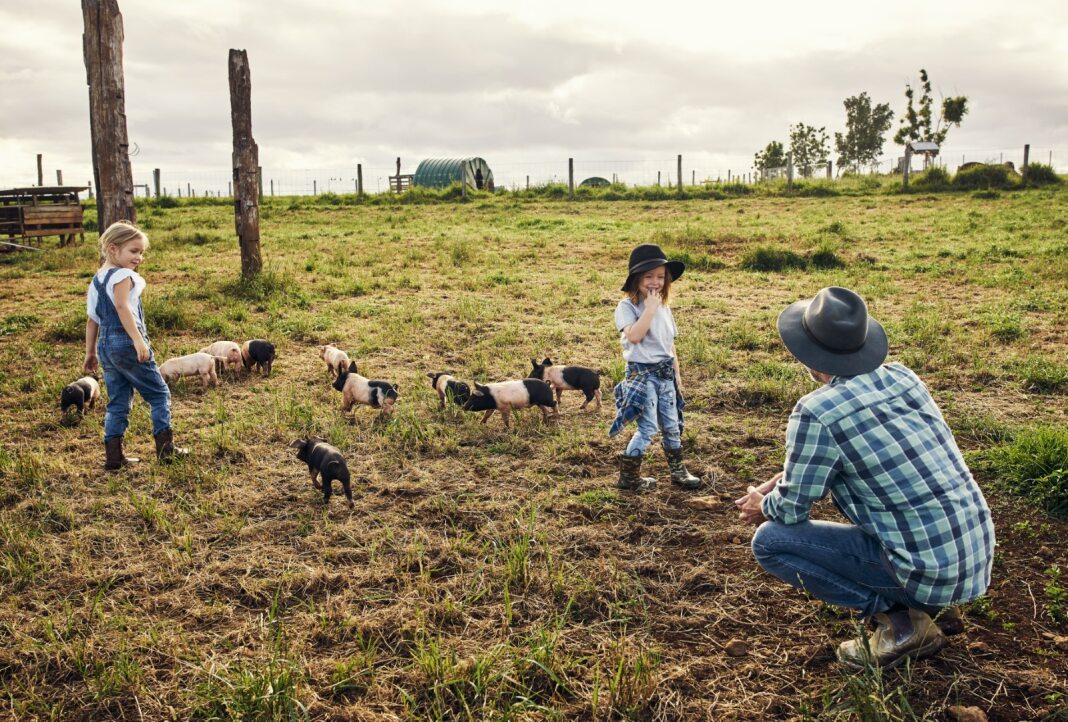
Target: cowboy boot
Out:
[951,621]
[680,476]
[630,477]
[165,448]
[114,459]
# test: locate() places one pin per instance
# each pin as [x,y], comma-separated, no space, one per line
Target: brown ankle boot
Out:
[114,459]
[165,448]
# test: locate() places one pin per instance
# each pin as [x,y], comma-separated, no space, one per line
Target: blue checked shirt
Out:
[630,392]
[879,445]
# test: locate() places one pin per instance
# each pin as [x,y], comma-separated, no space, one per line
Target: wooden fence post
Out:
[315,187]
[359,180]
[59,176]
[693,177]
[571,178]
[102,51]
[463,179]
[679,175]
[790,171]
[1023,173]
[528,182]
[829,170]
[40,170]
[259,173]
[155,180]
[658,179]
[272,187]
[246,165]
[907,168]
[90,184]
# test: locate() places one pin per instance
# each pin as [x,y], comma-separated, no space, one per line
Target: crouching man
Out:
[919,538]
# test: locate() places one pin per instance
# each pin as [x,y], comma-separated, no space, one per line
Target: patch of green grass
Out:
[1034,464]
[17,324]
[1042,374]
[772,258]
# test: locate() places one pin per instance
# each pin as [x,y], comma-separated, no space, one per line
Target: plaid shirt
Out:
[630,392]
[879,445]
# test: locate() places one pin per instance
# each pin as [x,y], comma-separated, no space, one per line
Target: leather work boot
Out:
[680,475]
[900,635]
[165,448]
[114,459]
[630,478]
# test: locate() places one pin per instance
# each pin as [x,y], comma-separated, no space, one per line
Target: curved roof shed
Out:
[442,172]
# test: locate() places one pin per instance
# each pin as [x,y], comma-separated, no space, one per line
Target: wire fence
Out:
[517,174]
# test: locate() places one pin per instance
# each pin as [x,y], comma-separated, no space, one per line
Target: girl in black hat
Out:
[650,392]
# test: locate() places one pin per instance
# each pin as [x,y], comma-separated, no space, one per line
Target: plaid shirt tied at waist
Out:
[630,392]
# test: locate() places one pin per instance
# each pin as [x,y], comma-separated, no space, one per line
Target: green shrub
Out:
[166,202]
[1040,174]
[1033,465]
[702,262]
[983,176]
[771,258]
[934,178]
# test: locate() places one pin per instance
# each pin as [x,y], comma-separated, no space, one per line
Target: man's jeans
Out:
[660,406]
[838,563]
[122,374]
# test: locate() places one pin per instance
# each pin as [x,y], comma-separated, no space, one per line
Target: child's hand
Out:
[143,351]
[91,364]
[653,299]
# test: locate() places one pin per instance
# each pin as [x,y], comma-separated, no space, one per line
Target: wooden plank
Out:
[59,214]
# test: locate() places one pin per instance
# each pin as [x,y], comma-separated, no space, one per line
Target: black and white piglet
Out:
[569,378]
[322,458]
[83,392]
[447,385]
[258,353]
[356,389]
[504,396]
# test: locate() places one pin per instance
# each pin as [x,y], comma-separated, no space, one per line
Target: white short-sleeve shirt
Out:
[658,341]
[135,292]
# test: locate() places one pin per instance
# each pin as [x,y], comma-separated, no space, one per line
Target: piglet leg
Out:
[485,417]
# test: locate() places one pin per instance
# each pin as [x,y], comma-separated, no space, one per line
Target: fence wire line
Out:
[512,174]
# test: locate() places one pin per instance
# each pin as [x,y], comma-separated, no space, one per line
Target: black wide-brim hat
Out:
[648,256]
[832,333]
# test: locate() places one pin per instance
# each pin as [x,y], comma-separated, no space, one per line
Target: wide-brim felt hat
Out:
[648,256]
[832,333]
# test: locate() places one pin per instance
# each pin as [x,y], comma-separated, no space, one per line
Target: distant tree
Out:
[917,125]
[773,156]
[863,141]
[809,146]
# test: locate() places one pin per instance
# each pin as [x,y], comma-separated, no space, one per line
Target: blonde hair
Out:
[118,235]
[631,287]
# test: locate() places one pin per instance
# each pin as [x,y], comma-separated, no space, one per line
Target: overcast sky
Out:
[524,84]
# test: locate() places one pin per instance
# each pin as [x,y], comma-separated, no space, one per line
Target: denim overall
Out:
[123,372]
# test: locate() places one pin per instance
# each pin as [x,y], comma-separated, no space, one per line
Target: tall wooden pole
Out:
[246,165]
[1023,175]
[155,180]
[679,176]
[359,180]
[571,178]
[40,170]
[102,48]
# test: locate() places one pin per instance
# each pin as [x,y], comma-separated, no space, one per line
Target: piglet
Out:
[446,386]
[569,378]
[336,359]
[356,389]
[84,391]
[195,364]
[504,396]
[258,353]
[322,458]
[227,350]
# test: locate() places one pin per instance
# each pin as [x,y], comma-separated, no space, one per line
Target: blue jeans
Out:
[838,563]
[123,373]
[660,413]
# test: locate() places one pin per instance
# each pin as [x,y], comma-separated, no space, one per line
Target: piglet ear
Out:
[534,362]
[430,376]
[297,443]
[547,361]
[352,367]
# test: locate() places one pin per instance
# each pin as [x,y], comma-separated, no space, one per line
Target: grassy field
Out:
[493,574]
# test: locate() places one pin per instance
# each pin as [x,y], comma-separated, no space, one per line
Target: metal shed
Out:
[442,172]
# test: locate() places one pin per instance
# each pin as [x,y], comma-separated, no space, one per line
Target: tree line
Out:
[865,128]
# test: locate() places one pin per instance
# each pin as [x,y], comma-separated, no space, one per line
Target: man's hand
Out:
[749,509]
[768,485]
[91,364]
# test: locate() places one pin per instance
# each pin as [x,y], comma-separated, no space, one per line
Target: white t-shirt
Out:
[659,339]
[135,292]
